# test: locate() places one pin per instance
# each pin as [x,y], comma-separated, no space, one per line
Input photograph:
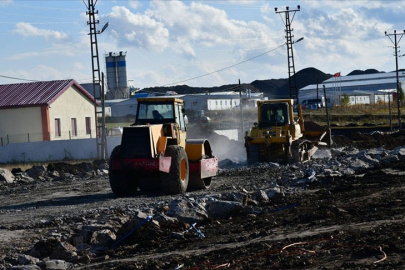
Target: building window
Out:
[57,127]
[73,126]
[88,126]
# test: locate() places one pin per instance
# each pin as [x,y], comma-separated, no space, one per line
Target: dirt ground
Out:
[344,222]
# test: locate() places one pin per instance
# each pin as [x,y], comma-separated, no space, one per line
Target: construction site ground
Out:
[336,222]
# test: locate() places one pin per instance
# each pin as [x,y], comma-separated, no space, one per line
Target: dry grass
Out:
[378,114]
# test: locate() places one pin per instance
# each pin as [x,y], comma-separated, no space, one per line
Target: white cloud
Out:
[78,66]
[185,48]
[202,26]
[27,30]
[137,29]
[39,73]
[22,56]
[337,34]
[135,4]
[5,2]
[27,55]
[43,72]
[68,49]
[186,28]
[149,78]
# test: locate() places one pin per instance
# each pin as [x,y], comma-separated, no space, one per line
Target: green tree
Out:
[345,100]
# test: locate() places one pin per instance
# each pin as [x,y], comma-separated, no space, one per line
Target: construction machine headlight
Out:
[269,133]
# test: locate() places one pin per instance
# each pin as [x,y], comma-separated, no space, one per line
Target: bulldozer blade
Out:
[322,144]
[312,151]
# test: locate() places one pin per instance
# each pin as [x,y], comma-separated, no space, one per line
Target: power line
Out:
[29,80]
[47,8]
[40,17]
[224,38]
[42,23]
[233,4]
[231,50]
[222,69]
[14,78]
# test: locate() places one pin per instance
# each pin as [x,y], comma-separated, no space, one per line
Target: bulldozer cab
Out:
[281,135]
[274,114]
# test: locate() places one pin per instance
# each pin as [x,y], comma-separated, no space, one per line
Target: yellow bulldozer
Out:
[282,136]
[155,154]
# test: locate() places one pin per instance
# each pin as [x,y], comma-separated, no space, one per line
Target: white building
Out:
[195,102]
[361,89]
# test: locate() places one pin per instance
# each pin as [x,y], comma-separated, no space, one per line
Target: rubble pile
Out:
[55,172]
[241,201]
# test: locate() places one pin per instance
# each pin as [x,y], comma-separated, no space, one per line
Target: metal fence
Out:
[68,135]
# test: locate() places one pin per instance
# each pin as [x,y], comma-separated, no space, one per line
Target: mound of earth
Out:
[370,140]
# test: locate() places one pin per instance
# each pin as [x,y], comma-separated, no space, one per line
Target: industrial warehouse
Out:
[361,89]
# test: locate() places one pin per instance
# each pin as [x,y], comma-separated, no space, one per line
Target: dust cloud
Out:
[221,146]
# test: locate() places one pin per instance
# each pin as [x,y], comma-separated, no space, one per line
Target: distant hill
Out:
[364,72]
[272,88]
[268,86]
[304,77]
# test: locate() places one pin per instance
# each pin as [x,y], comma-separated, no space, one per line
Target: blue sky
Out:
[196,43]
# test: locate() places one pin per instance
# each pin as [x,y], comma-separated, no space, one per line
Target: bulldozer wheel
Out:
[299,151]
[121,184]
[176,181]
[253,156]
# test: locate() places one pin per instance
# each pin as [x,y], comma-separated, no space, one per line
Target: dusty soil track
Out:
[351,222]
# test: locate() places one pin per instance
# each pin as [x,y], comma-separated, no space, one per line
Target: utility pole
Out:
[317,94]
[326,107]
[241,112]
[95,64]
[396,42]
[292,82]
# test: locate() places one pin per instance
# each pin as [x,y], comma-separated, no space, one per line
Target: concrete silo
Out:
[117,83]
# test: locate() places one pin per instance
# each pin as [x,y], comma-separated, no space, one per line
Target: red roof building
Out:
[47,110]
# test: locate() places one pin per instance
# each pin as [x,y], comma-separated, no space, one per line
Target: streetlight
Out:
[298,40]
[104,27]
[95,64]
[292,84]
